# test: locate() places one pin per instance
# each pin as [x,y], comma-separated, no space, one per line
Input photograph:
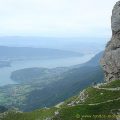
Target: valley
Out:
[5,72]
[52,63]
[42,84]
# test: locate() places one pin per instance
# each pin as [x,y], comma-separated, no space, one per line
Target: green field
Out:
[96,106]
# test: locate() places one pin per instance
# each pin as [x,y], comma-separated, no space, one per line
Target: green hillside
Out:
[42,87]
[100,103]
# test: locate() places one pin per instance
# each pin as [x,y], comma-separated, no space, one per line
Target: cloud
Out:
[55,17]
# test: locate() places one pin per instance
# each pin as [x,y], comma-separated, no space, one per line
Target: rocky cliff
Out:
[111,58]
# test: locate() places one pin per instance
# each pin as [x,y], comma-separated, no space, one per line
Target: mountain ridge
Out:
[96,102]
[39,90]
[31,52]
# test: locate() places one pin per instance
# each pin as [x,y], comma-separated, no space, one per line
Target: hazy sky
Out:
[55,18]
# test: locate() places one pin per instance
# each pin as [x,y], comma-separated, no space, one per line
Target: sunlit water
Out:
[51,63]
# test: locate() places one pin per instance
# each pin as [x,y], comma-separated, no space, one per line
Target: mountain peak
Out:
[115,19]
[111,58]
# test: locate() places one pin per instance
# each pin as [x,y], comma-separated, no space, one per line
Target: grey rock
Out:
[116,17]
[83,96]
[111,58]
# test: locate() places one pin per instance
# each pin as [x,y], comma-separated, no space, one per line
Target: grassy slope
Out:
[81,110]
[113,84]
[28,97]
[96,95]
[35,115]
[84,111]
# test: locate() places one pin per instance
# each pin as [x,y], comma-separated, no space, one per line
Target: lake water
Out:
[51,63]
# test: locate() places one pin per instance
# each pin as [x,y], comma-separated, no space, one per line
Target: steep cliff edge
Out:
[111,58]
[97,102]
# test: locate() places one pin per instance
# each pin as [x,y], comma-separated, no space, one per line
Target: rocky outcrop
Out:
[83,96]
[111,58]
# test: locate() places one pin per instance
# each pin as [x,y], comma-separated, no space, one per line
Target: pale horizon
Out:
[56,18]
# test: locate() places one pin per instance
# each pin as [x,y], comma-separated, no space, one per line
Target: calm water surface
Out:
[51,63]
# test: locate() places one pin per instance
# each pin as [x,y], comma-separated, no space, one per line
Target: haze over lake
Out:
[47,63]
[83,49]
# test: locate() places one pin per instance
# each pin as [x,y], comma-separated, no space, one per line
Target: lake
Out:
[5,72]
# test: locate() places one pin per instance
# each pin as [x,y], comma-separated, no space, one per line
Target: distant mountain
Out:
[72,81]
[83,45]
[96,102]
[38,75]
[4,64]
[95,61]
[55,86]
[28,75]
[34,53]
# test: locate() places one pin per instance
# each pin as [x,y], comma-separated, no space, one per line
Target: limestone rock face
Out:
[111,58]
[116,17]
